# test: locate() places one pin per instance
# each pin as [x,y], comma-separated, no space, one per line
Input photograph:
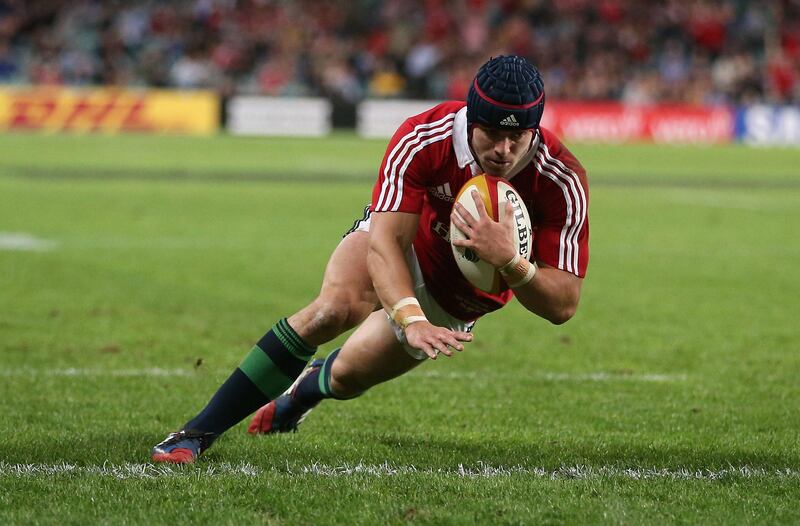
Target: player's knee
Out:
[333,315]
[347,384]
[328,316]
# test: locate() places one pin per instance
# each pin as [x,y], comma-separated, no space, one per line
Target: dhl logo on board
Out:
[109,110]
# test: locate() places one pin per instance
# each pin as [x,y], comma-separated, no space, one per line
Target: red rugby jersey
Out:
[426,163]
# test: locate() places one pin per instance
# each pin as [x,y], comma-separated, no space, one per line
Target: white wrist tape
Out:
[405,302]
[527,277]
[408,320]
[407,311]
[509,267]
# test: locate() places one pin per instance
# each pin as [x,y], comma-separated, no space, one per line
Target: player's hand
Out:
[433,340]
[492,241]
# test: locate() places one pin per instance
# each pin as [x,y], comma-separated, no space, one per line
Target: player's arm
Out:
[546,291]
[391,234]
[551,293]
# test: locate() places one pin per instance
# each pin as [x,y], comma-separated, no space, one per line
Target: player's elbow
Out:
[562,306]
[560,312]
[561,315]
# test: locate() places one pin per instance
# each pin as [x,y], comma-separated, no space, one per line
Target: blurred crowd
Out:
[698,51]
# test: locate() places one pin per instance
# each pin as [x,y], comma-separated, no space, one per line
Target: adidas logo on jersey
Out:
[509,121]
[442,192]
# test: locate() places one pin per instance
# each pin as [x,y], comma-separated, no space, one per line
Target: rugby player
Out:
[394,276]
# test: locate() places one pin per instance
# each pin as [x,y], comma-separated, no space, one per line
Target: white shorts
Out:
[435,314]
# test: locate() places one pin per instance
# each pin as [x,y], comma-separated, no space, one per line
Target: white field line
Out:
[448,375]
[24,242]
[155,243]
[125,471]
[613,377]
[599,376]
[73,371]
[482,470]
[479,470]
[21,241]
[718,200]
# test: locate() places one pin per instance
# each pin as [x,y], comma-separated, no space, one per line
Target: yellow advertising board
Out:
[109,110]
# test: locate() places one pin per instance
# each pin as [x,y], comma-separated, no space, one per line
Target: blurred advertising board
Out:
[309,117]
[381,118]
[661,123]
[608,122]
[109,110]
[769,125]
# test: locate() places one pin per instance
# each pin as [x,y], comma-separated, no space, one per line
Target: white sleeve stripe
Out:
[575,210]
[394,159]
[401,144]
[413,152]
[391,174]
[575,198]
[580,195]
[563,262]
[395,177]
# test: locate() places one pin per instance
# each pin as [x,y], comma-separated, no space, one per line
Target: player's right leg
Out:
[376,352]
[371,355]
[345,300]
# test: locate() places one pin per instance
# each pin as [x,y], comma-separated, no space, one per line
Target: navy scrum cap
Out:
[507,93]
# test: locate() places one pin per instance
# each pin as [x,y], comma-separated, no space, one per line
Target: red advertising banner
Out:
[614,122]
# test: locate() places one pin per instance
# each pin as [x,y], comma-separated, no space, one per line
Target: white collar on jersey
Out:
[460,140]
[464,153]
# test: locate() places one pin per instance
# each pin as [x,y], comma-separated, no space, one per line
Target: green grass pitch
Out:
[136,272]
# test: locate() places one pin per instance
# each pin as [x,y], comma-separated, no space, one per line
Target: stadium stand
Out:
[700,51]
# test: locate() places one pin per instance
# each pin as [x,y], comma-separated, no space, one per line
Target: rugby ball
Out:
[494,192]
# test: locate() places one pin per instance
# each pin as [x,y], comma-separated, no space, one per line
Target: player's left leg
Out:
[346,298]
